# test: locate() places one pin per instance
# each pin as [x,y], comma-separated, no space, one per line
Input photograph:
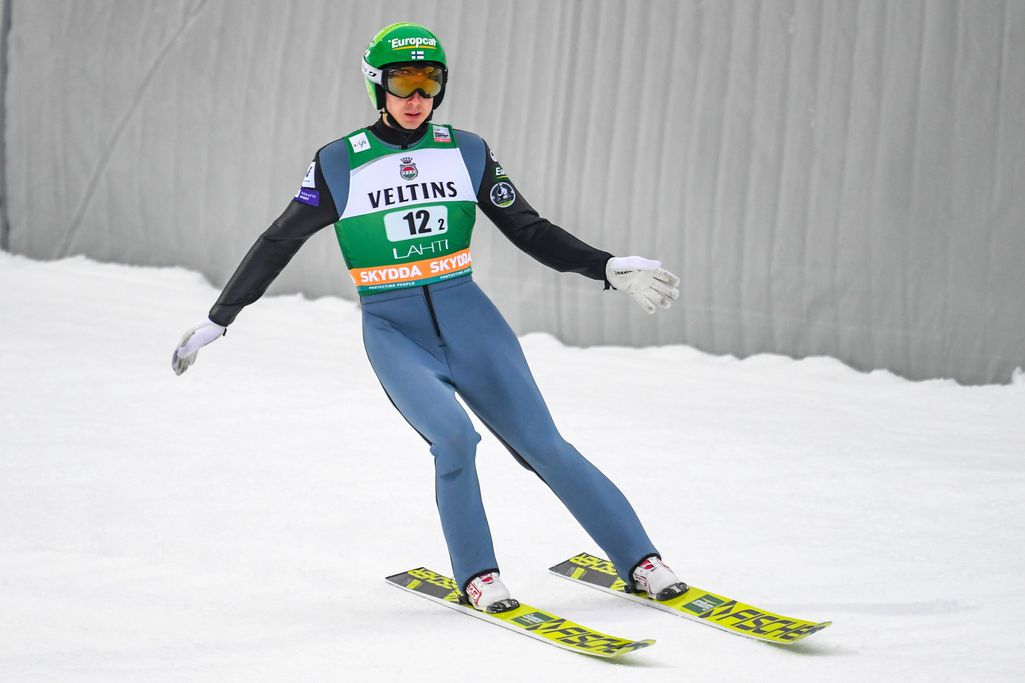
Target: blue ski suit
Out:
[429,343]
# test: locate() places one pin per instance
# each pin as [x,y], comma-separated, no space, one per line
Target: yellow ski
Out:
[696,604]
[530,621]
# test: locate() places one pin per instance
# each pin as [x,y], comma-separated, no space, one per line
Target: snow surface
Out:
[236,523]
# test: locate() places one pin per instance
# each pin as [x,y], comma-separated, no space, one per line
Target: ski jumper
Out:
[404,206]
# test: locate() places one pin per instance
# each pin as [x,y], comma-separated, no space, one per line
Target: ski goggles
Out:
[405,79]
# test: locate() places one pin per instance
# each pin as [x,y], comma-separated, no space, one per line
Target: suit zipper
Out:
[430,308]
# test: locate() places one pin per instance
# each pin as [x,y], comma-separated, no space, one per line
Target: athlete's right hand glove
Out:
[644,280]
[195,339]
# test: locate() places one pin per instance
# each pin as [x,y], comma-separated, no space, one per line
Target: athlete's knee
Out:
[455,450]
[550,449]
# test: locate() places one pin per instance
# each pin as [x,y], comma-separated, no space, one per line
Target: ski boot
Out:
[657,580]
[487,593]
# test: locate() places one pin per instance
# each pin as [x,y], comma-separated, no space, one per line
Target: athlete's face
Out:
[408,112]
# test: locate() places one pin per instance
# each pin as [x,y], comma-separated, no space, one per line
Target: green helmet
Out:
[401,43]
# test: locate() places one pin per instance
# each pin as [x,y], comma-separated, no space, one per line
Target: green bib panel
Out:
[409,214]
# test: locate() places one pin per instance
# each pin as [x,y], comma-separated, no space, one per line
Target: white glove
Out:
[195,339]
[643,279]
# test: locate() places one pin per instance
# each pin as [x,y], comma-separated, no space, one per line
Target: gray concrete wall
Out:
[5,24]
[842,178]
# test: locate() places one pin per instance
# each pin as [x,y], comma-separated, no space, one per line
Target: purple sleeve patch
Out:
[307,196]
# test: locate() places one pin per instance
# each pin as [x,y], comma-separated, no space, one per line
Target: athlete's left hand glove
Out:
[643,279]
[190,344]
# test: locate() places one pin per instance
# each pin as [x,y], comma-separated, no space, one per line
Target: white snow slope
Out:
[236,523]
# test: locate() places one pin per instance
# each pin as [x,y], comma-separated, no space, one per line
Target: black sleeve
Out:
[501,202]
[272,250]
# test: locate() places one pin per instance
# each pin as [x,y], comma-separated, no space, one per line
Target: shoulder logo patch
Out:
[307,196]
[503,195]
[310,180]
[359,142]
[441,133]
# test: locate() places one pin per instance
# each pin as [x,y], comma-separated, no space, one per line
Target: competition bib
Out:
[409,213]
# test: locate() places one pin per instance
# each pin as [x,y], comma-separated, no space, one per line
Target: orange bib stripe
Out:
[426,269]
